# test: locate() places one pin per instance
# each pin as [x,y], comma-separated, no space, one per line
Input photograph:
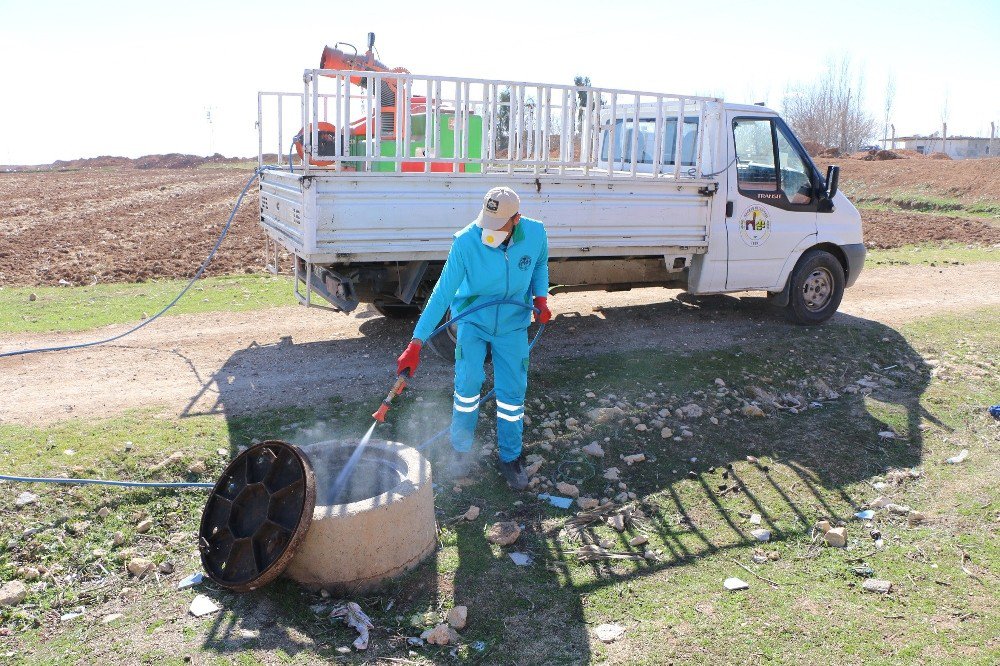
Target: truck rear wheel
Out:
[443,344]
[817,287]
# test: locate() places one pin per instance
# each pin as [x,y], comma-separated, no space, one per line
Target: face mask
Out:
[493,238]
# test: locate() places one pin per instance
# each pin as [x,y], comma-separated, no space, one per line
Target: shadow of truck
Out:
[811,464]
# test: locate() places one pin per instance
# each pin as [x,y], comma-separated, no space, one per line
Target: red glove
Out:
[410,358]
[544,314]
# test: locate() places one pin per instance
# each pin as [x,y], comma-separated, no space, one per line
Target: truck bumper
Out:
[855,254]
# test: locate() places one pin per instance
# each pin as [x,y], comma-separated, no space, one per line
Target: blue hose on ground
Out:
[102,482]
[451,321]
[198,273]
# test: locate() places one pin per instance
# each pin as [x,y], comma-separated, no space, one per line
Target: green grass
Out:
[922,203]
[932,254]
[80,308]
[934,378]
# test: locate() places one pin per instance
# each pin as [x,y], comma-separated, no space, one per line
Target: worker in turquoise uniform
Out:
[499,256]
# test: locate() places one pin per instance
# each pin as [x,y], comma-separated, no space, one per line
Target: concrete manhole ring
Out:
[381,526]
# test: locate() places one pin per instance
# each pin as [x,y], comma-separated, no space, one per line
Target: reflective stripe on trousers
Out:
[510,376]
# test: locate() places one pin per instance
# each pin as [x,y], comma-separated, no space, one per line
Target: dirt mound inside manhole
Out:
[886,229]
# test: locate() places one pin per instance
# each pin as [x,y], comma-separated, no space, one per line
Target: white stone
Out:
[666,433]
[733,584]
[594,449]
[761,534]
[612,474]
[202,605]
[25,499]
[877,586]
[608,633]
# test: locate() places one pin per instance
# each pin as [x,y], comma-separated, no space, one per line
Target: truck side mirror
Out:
[832,181]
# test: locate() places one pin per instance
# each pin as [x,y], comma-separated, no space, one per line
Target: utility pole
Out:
[944,138]
[211,130]
[993,134]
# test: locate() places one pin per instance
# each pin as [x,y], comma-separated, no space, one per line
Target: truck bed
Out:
[336,218]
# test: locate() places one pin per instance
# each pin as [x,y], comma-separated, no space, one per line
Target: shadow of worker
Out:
[518,614]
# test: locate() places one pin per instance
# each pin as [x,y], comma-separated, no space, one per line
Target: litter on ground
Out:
[191,581]
[557,501]
[954,460]
[355,617]
[521,559]
[733,584]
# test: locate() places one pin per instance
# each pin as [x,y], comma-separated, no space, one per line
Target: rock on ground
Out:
[877,586]
[12,593]
[594,449]
[836,537]
[503,534]
[440,635]
[458,616]
[568,489]
[139,567]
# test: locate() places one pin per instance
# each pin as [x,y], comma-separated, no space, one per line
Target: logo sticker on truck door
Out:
[755,226]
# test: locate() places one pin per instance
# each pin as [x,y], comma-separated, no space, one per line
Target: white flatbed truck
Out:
[369,209]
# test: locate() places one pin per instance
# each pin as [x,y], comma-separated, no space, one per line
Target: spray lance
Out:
[396,389]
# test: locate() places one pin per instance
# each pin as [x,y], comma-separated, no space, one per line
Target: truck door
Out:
[772,202]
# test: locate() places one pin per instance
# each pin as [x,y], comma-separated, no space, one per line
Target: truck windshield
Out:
[646,141]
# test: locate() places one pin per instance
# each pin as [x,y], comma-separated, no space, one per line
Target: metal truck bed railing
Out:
[388,122]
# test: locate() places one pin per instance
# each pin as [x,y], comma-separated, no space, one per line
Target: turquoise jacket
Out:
[476,273]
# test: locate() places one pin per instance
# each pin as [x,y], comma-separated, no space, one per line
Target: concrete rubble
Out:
[836,537]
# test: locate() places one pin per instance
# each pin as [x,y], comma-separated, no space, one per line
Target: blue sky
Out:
[81,79]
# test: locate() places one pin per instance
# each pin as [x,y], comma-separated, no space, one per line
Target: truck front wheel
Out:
[817,287]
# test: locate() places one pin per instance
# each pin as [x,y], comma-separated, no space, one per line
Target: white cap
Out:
[499,205]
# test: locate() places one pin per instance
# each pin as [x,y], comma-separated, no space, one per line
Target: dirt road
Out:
[235,363]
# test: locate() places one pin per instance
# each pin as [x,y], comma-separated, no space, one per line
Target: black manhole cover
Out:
[257,515]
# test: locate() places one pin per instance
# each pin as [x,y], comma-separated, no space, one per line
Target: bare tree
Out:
[831,111]
[581,102]
[890,98]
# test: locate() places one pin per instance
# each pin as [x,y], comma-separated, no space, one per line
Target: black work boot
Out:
[513,472]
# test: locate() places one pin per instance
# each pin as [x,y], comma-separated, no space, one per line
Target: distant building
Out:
[956,147]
